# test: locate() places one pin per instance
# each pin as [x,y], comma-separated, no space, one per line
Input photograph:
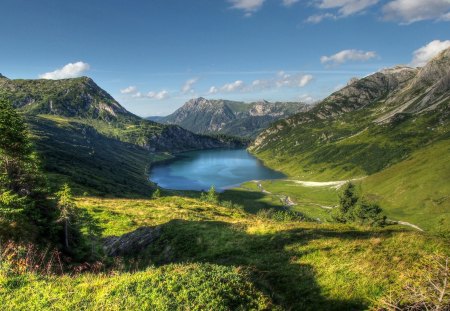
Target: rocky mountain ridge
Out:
[367,126]
[205,116]
[385,96]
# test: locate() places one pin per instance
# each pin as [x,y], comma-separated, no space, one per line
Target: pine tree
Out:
[23,193]
[67,210]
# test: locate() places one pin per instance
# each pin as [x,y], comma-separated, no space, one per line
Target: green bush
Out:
[210,196]
[156,194]
[354,209]
[280,215]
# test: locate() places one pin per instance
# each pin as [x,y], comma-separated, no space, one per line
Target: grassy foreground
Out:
[212,257]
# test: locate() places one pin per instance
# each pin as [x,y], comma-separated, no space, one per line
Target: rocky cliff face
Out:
[205,116]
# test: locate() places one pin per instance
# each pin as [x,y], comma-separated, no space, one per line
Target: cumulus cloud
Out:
[135,93]
[306,98]
[248,6]
[422,55]
[342,8]
[233,87]
[347,7]
[188,86]
[213,90]
[158,95]
[347,55]
[410,11]
[315,19]
[289,2]
[129,90]
[288,80]
[71,70]
[282,79]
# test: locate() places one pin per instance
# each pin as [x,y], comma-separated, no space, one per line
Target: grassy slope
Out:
[74,152]
[172,287]
[302,265]
[414,149]
[417,189]
[349,146]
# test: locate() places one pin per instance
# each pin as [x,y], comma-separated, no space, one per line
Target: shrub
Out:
[279,215]
[210,196]
[353,209]
[156,194]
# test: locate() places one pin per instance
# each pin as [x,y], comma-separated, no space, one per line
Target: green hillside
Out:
[211,257]
[86,137]
[417,189]
[392,126]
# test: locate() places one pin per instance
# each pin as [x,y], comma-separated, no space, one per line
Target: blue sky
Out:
[153,55]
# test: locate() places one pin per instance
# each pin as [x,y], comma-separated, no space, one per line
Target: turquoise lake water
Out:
[199,170]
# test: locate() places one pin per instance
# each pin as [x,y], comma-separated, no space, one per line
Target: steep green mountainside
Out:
[205,116]
[367,126]
[89,138]
[375,125]
[417,189]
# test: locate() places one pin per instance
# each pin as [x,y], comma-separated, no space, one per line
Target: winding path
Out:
[287,202]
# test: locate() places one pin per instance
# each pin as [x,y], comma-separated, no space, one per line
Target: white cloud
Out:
[288,80]
[282,79]
[346,7]
[135,93]
[233,87]
[213,90]
[248,6]
[305,98]
[422,55]
[71,70]
[410,11]
[305,80]
[315,19]
[289,2]
[347,55]
[129,90]
[188,85]
[158,95]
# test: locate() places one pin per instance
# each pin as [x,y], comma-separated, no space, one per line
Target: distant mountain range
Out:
[203,116]
[393,125]
[86,136]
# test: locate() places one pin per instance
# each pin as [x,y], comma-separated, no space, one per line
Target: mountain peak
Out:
[2,76]
[75,97]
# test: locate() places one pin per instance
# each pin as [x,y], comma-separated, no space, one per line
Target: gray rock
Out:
[131,243]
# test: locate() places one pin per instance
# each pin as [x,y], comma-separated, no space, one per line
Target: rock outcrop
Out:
[131,243]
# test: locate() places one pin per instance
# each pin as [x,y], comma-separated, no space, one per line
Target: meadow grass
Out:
[265,263]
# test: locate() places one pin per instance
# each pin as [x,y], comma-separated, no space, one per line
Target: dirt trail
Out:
[333,184]
[287,201]
[404,223]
